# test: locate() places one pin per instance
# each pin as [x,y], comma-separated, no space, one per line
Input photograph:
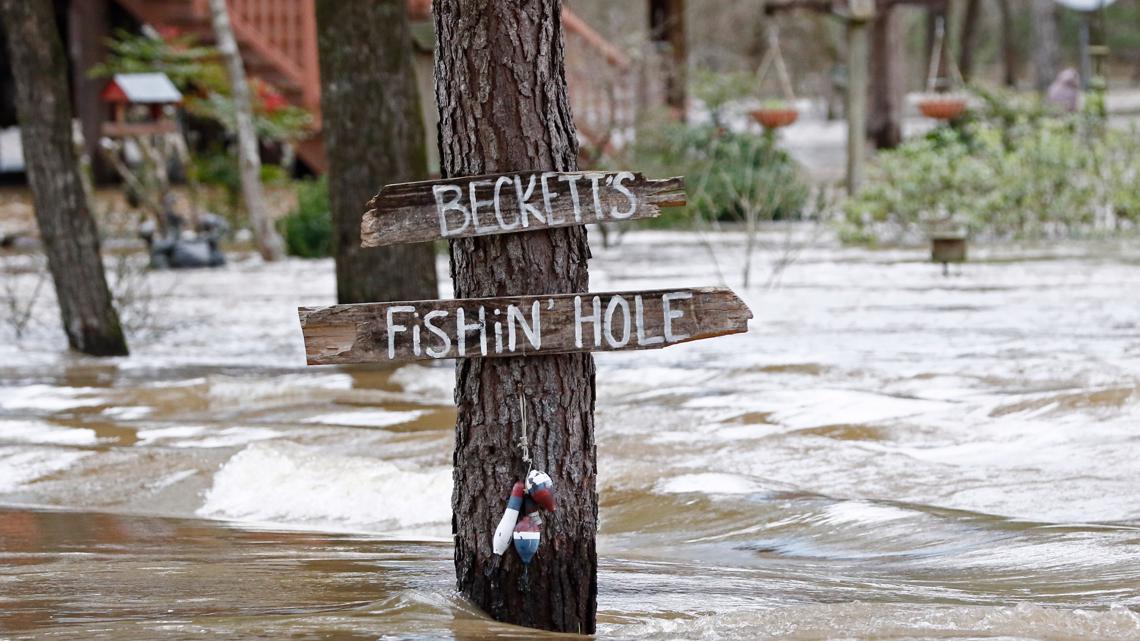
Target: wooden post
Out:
[857,63]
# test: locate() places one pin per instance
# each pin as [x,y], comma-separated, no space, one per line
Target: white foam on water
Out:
[195,436]
[707,483]
[40,433]
[367,418]
[821,622]
[293,484]
[46,398]
[20,466]
[429,384]
[807,408]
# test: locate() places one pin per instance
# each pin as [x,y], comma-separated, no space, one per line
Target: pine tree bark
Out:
[1046,45]
[374,135]
[884,120]
[501,90]
[667,29]
[269,243]
[63,213]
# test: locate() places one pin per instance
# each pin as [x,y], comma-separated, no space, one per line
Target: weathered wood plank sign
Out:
[517,202]
[518,325]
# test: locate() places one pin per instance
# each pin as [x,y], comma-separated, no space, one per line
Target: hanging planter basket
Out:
[942,106]
[775,113]
[775,117]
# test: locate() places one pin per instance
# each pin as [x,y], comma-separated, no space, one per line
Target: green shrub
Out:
[730,177]
[1010,170]
[308,229]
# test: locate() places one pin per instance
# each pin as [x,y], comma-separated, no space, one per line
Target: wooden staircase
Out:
[278,42]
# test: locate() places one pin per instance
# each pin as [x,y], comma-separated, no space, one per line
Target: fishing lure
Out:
[541,489]
[528,532]
[502,539]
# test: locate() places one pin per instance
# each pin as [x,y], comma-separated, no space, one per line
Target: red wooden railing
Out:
[278,39]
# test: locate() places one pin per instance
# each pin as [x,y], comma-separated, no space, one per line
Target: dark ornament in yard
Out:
[173,251]
[948,248]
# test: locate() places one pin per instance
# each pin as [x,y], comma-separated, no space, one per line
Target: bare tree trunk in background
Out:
[374,134]
[1008,45]
[501,90]
[935,12]
[63,213]
[269,243]
[667,30]
[884,122]
[1046,43]
[968,38]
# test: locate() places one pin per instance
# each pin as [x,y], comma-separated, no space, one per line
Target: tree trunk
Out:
[1008,45]
[374,134]
[937,12]
[667,29]
[968,38]
[269,243]
[63,213]
[1046,43]
[501,89]
[884,122]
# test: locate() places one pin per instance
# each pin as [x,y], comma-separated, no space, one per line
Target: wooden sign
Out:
[506,203]
[518,325]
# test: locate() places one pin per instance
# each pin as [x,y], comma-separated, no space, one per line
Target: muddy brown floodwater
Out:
[887,454]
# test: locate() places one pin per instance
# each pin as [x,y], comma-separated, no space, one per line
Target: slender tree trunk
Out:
[667,29]
[501,90]
[934,13]
[884,122]
[1046,45]
[374,134]
[968,38]
[1008,45]
[269,243]
[71,240]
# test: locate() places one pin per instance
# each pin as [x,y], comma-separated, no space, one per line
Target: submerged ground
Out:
[887,454]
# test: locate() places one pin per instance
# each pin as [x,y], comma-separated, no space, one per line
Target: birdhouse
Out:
[138,102]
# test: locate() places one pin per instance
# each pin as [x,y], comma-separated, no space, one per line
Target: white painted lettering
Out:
[547,196]
[445,340]
[461,328]
[443,206]
[524,206]
[615,303]
[624,175]
[394,329]
[572,181]
[476,203]
[503,180]
[533,331]
[639,311]
[595,317]
[671,314]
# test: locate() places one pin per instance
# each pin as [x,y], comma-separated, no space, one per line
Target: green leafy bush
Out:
[730,177]
[308,229]
[1011,170]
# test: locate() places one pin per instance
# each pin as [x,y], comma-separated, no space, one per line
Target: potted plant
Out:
[942,106]
[774,114]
